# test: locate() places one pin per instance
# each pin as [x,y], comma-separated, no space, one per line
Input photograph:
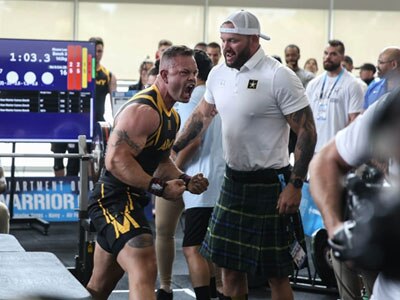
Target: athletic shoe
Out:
[163,295]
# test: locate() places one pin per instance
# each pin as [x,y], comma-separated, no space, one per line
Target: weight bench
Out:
[30,274]
[9,243]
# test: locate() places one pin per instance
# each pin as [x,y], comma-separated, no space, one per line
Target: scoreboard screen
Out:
[47,90]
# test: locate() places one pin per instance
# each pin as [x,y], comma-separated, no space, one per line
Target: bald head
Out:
[392,53]
[389,62]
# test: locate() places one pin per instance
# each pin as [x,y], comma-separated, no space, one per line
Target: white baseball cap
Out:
[244,23]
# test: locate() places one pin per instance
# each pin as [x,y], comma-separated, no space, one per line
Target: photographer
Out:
[352,147]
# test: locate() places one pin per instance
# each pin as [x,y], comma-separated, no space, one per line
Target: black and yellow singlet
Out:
[159,143]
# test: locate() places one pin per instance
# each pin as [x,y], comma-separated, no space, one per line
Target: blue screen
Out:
[47,90]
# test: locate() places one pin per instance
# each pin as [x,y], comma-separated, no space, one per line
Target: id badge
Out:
[298,254]
[322,110]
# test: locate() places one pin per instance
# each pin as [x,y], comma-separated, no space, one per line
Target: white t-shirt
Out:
[354,146]
[253,102]
[341,96]
[208,159]
[385,289]
[362,84]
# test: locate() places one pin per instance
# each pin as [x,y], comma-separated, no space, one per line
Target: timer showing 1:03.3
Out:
[29,57]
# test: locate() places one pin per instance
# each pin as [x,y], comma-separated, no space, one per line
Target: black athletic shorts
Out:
[118,215]
[196,222]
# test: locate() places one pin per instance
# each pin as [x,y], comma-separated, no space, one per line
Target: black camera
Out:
[370,236]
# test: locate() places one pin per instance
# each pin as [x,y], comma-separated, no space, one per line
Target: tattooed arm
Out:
[302,123]
[128,138]
[197,123]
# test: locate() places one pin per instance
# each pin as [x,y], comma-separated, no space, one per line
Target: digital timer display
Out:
[48,86]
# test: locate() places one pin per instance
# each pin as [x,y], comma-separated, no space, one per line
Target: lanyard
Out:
[333,86]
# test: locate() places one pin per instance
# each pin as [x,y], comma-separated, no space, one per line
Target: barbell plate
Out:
[321,256]
[101,134]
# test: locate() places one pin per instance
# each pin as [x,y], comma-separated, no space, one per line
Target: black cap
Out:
[367,67]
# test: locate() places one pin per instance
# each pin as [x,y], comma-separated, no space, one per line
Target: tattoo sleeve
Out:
[302,122]
[123,137]
[192,129]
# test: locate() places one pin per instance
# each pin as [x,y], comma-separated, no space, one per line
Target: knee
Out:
[101,290]
[190,251]
[278,281]
[234,278]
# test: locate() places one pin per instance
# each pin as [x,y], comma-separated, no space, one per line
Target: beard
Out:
[330,66]
[241,57]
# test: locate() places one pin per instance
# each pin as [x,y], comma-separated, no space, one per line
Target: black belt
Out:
[258,176]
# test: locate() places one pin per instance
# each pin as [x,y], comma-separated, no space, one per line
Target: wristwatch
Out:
[297,182]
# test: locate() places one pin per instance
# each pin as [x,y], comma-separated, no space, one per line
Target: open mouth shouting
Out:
[187,91]
[229,57]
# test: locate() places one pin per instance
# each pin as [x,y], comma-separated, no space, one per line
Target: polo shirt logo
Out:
[252,84]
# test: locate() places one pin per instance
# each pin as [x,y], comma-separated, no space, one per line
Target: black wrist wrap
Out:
[156,186]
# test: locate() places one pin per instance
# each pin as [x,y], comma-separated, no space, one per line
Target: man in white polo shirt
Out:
[256,218]
[335,96]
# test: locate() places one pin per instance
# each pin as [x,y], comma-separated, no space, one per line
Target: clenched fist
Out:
[197,184]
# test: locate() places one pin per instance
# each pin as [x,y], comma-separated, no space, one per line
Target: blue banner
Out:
[53,199]
[311,216]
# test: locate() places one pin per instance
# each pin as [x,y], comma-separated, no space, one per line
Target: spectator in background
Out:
[145,66]
[347,63]
[335,96]
[151,76]
[106,82]
[201,46]
[311,65]
[214,52]
[367,73]
[162,45]
[292,56]
[4,214]
[389,74]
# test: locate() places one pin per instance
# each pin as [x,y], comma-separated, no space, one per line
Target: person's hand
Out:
[342,241]
[197,184]
[174,189]
[289,200]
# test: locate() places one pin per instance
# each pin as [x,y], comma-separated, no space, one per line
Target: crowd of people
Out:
[213,139]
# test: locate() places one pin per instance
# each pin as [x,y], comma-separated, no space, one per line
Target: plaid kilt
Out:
[247,234]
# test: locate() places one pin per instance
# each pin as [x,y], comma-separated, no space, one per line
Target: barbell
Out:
[101,133]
